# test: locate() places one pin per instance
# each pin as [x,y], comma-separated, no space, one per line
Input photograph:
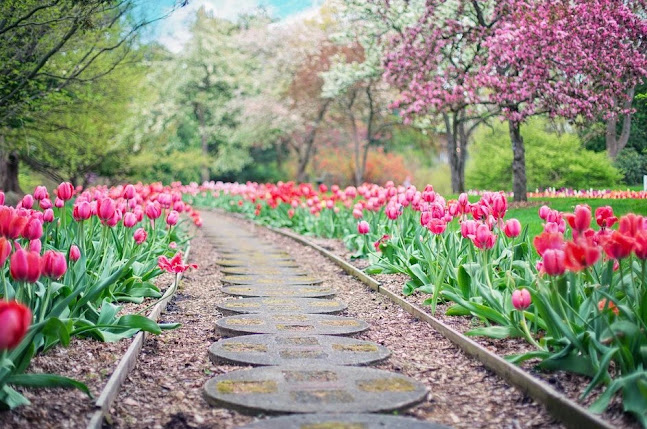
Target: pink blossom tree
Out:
[568,58]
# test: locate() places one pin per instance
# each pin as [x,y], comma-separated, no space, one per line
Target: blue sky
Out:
[173,31]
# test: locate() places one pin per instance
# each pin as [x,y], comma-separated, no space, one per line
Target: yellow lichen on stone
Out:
[230,386]
[386,385]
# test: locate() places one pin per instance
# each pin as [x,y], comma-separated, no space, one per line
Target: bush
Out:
[552,159]
[632,165]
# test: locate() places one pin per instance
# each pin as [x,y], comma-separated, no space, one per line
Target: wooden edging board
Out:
[129,359]
[558,405]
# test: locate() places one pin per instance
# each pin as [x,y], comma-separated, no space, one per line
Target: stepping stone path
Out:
[288,349]
[305,366]
[282,305]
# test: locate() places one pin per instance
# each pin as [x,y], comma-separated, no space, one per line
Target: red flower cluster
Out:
[174,265]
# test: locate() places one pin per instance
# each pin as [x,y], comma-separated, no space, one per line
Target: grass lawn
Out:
[530,215]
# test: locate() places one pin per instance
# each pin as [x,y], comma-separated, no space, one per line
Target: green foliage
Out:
[632,165]
[552,159]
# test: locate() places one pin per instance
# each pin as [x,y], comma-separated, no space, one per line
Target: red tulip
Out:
[5,250]
[618,245]
[521,299]
[172,218]
[512,228]
[75,253]
[579,255]
[630,224]
[548,240]
[554,262]
[640,245]
[604,217]
[65,191]
[54,264]
[24,265]
[2,197]
[16,226]
[140,236]
[363,227]
[581,219]
[605,304]
[15,319]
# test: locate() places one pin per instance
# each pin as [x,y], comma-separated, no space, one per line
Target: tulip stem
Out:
[528,335]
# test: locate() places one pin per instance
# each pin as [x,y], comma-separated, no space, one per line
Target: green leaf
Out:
[55,328]
[571,362]
[139,322]
[10,399]
[496,332]
[464,281]
[457,310]
[47,380]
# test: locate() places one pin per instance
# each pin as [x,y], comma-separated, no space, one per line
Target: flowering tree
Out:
[563,58]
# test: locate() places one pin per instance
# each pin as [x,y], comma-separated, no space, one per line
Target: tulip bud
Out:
[130,220]
[512,228]
[521,299]
[554,262]
[82,211]
[35,246]
[363,227]
[54,264]
[172,218]
[544,211]
[59,203]
[153,211]
[15,319]
[129,192]
[40,193]
[75,253]
[140,235]
[5,250]
[65,191]
[33,229]
[48,215]
[27,201]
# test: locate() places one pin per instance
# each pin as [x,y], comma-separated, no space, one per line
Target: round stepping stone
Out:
[246,262]
[260,252]
[263,271]
[342,421]
[282,305]
[308,389]
[310,324]
[268,349]
[243,279]
[297,291]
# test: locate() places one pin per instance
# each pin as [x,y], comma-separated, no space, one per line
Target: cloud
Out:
[175,30]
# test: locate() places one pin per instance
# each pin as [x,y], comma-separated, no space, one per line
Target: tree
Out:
[45,48]
[568,58]
[435,63]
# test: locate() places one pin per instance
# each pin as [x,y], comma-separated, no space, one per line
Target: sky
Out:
[173,31]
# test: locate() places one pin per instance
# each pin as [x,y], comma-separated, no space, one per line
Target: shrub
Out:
[632,165]
[552,159]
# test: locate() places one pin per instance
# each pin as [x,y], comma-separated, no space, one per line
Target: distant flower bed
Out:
[576,292]
[67,257]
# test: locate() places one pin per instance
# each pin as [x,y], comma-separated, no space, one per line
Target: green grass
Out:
[530,216]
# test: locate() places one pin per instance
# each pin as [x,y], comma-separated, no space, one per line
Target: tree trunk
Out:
[461,155]
[204,173]
[305,155]
[9,164]
[453,152]
[518,162]
[616,143]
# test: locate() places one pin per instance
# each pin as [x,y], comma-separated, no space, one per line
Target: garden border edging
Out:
[558,405]
[129,359]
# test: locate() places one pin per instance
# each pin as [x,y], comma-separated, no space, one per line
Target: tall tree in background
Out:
[46,49]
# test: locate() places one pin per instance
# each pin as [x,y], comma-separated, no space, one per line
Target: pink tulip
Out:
[512,228]
[153,211]
[363,227]
[140,235]
[130,220]
[105,208]
[27,201]
[75,253]
[45,204]
[82,211]
[172,218]
[129,192]
[35,246]
[2,198]
[24,265]
[48,215]
[59,203]
[33,229]
[40,193]
[54,264]
[484,239]
[554,262]
[521,299]
[468,228]
[65,191]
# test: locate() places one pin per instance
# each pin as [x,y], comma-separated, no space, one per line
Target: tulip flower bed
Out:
[67,263]
[575,292]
